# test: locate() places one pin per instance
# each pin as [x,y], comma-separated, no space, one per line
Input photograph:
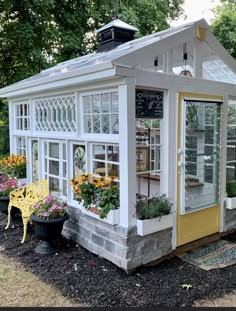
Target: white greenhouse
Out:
[152,111]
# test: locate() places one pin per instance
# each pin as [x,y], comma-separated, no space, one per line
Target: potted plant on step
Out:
[48,216]
[154,214]
[231,194]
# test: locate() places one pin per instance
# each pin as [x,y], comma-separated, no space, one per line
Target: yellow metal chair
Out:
[24,197]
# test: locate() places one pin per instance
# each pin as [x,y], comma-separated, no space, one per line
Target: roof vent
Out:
[114,34]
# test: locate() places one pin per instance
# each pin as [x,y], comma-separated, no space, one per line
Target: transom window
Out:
[55,114]
[105,160]
[101,113]
[22,117]
[55,166]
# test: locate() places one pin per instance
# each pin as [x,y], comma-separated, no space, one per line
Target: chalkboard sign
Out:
[149,104]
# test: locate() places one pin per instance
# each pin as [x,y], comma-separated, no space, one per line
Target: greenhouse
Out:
[158,114]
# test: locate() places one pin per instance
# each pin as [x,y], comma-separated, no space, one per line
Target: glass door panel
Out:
[201,155]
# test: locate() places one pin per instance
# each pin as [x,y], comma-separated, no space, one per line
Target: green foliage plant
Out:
[109,199]
[231,189]
[153,207]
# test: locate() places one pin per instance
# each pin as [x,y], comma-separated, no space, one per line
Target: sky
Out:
[197,9]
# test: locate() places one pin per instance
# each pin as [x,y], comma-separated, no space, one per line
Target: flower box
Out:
[231,203]
[113,217]
[148,226]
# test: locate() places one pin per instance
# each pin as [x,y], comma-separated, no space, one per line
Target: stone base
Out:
[122,246]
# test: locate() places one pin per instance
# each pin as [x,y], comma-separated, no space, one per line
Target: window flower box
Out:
[148,226]
[113,217]
[231,203]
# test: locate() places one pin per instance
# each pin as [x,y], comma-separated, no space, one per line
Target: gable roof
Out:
[130,54]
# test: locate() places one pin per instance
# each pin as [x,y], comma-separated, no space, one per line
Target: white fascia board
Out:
[59,84]
[220,51]
[134,58]
[153,79]
[45,83]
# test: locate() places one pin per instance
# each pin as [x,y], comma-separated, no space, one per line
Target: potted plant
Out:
[14,166]
[154,214]
[7,184]
[99,196]
[231,194]
[48,216]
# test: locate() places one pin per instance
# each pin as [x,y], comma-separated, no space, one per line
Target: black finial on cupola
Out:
[114,34]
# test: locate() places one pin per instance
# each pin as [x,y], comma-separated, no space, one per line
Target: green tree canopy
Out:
[224,25]
[36,34]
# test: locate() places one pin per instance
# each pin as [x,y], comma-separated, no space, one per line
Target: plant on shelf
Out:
[14,166]
[97,193]
[231,194]
[49,216]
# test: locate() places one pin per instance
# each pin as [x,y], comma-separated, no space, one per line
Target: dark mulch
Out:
[94,281]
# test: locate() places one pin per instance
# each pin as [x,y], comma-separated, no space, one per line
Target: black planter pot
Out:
[4,201]
[47,231]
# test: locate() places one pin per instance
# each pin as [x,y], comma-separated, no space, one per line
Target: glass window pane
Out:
[86,104]
[99,152]
[114,102]
[54,150]
[35,160]
[87,124]
[54,168]
[113,153]
[106,124]
[64,187]
[79,160]
[99,168]
[231,151]
[105,103]
[113,170]
[96,103]
[96,124]
[115,124]
[53,184]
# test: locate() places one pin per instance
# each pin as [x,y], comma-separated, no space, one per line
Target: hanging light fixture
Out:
[185,72]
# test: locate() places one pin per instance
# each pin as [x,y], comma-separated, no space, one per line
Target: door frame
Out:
[182,220]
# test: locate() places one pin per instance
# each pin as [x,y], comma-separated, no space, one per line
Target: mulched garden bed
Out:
[94,281]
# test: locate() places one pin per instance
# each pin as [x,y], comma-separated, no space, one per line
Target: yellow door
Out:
[198,164]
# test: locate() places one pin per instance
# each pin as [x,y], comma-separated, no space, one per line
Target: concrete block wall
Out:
[229,219]
[120,245]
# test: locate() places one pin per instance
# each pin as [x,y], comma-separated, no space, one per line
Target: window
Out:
[231,142]
[105,160]
[21,146]
[101,113]
[79,159]
[55,166]
[22,117]
[34,148]
[55,114]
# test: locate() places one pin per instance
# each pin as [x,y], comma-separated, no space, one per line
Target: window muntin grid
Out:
[55,166]
[101,113]
[105,160]
[21,145]
[22,114]
[55,114]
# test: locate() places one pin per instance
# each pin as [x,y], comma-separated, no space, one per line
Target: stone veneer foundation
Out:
[117,244]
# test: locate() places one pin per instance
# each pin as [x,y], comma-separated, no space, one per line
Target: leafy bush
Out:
[4,139]
[14,166]
[153,207]
[231,189]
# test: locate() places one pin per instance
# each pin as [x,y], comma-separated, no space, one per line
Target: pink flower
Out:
[48,199]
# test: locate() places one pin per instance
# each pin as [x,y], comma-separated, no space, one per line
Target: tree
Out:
[223,26]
